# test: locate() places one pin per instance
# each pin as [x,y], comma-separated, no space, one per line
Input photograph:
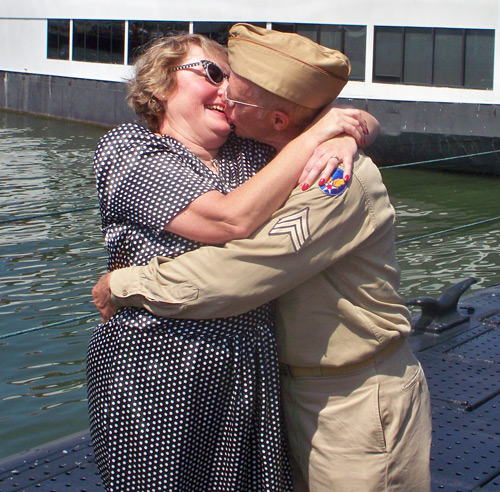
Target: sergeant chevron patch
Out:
[296,225]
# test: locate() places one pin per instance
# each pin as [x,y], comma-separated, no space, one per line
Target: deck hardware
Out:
[441,314]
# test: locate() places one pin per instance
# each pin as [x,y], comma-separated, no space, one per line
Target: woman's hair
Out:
[152,78]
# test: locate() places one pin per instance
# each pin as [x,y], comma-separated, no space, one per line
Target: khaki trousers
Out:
[365,431]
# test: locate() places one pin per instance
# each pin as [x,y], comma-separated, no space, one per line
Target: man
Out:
[355,398]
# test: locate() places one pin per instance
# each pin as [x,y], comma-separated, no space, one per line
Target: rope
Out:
[51,325]
[50,214]
[447,230]
[87,316]
[402,241]
[439,160]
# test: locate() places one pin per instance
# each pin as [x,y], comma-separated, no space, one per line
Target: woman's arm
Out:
[215,218]
[339,149]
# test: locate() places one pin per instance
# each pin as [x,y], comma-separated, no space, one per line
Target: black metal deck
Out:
[462,365]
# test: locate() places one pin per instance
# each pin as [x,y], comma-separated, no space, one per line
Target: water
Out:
[49,264]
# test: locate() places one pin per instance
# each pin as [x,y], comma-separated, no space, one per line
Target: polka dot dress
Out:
[178,405]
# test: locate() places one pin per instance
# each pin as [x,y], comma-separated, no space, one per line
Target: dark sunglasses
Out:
[212,71]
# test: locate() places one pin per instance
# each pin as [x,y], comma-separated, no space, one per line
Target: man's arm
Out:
[309,233]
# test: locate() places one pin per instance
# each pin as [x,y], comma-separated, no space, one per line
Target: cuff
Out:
[124,283]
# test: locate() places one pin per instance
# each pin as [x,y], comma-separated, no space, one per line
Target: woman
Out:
[187,405]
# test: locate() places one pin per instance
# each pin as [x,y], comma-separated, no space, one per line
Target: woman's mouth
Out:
[216,107]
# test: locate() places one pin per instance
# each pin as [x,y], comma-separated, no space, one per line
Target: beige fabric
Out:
[368,431]
[288,65]
[336,277]
[339,302]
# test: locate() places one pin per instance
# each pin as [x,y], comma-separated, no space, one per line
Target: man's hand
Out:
[102,298]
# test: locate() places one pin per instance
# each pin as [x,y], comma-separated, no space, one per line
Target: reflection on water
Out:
[48,265]
[428,202]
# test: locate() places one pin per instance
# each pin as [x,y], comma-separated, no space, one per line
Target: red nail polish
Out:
[346,178]
[305,186]
[321,181]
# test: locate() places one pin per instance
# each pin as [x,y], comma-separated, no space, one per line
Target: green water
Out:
[49,264]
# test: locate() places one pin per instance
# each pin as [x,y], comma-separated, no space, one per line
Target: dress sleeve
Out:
[144,180]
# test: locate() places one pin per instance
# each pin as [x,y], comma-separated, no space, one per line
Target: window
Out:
[479,56]
[284,27]
[141,33]
[388,58]
[218,31]
[350,40]
[354,46]
[448,57]
[98,41]
[417,68]
[439,57]
[58,39]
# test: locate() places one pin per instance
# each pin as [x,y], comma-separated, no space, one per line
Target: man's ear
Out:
[280,120]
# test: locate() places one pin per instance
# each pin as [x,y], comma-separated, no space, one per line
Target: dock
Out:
[460,354]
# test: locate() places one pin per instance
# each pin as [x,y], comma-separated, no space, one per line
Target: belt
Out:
[298,371]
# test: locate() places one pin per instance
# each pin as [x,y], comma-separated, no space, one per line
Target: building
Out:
[425,68]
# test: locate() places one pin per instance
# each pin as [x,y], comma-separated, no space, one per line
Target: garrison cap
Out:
[288,65]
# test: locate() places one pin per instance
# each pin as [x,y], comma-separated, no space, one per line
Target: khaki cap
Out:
[288,65]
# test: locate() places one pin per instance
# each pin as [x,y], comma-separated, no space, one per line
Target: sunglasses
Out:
[230,101]
[212,71]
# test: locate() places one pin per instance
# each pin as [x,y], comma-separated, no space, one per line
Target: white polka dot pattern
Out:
[178,405]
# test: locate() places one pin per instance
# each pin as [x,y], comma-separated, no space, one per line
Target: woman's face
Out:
[194,112]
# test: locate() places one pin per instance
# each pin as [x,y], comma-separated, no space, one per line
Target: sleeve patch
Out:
[335,184]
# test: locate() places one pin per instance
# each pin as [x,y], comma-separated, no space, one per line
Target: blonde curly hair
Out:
[152,77]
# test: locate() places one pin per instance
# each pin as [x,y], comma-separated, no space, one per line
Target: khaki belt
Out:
[300,371]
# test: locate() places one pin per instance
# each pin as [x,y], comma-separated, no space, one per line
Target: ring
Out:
[335,157]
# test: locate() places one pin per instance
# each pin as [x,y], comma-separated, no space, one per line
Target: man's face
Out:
[248,121]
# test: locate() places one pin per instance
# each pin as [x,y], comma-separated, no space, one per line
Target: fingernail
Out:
[305,186]
[346,178]
[363,141]
[322,181]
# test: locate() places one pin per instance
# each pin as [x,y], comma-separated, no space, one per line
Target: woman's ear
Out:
[280,120]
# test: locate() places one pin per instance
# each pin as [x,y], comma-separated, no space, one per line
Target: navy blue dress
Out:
[178,405]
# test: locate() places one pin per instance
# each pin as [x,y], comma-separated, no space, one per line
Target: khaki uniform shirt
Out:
[329,259]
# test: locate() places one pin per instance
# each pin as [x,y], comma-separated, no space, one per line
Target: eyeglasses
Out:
[212,71]
[234,101]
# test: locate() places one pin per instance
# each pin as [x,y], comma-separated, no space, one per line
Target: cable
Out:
[51,325]
[50,214]
[438,160]
[447,230]
[87,316]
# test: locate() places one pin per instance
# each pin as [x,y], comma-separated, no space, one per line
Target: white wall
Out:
[434,13]
[23,48]
[23,32]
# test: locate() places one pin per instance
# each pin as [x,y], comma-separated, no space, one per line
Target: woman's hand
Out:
[333,121]
[327,157]
[353,128]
